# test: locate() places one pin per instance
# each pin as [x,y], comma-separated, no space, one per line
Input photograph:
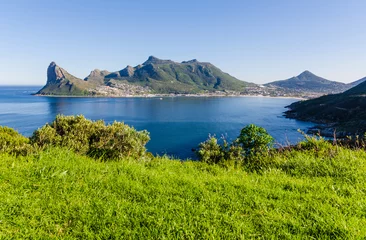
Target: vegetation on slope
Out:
[159,76]
[344,112]
[309,82]
[60,82]
[313,190]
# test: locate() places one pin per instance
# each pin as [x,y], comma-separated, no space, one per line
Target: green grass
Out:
[298,195]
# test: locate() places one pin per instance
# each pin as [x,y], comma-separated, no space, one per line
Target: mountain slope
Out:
[166,76]
[309,82]
[60,82]
[355,83]
[345,111]
[155,75]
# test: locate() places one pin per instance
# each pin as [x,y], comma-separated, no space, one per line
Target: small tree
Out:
[254,139]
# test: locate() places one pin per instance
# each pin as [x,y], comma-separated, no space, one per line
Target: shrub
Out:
[118,140]
[254,140]
[210,151]
[249,149]
[92,138]
[14,143]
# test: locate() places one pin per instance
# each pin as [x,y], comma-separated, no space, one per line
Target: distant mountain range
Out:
[344,112]
[157,76]
[153,76]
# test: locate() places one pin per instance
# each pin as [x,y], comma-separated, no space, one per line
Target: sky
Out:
[254,40]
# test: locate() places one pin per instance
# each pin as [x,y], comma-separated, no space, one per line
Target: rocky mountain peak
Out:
[127,71]
[95,73]
[191,61]
[306,73]
[54,73]
[155,60]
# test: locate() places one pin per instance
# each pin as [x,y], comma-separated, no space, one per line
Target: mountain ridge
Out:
[158,75]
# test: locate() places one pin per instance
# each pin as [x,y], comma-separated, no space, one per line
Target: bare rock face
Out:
[127,72]
[97,74]
[155,60]
[54,73]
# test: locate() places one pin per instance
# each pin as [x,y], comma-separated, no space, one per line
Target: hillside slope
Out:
[345,111]
[166,76]
[60,82]
[301,195]
[355,83]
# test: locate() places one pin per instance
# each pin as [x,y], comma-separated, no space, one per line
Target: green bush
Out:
[92,138]
[254,140]
[12,142]
[210,151]
[249,149]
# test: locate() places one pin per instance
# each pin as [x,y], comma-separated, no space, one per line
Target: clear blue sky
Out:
[253,40]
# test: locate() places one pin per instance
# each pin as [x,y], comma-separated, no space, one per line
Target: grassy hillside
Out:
[307,194]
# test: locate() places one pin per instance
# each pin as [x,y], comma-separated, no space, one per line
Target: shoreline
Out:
[168,95]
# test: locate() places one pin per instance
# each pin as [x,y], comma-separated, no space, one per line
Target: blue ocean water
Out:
[176,124]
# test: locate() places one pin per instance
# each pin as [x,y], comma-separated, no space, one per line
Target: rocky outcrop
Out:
[54,73]
[60,82]
[155,60]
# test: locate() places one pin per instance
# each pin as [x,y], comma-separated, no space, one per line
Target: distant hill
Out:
[345,112]
[309,82]
[355,83]
[156,75]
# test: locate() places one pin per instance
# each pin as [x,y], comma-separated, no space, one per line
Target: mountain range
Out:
[153,76]
[157,76]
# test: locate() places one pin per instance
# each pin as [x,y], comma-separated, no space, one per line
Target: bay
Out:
[176,124]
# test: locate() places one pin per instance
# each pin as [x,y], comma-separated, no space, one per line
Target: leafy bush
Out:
[254,139]
[248,149]
[210,151]
[14,143]
[92,138]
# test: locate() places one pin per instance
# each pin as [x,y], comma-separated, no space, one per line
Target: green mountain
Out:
[344,112]
[156,75]
[166,76]
[60,82]
[309,82]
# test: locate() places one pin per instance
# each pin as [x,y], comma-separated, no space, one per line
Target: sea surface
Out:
[176,124]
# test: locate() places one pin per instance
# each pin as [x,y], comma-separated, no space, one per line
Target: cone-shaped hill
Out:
[309,82]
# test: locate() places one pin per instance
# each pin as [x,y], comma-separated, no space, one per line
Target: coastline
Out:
[167,95]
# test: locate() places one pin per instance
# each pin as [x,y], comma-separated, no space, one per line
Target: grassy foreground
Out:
[301,194]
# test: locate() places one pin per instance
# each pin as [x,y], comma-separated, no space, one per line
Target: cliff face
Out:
[54,73]
[60,82]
